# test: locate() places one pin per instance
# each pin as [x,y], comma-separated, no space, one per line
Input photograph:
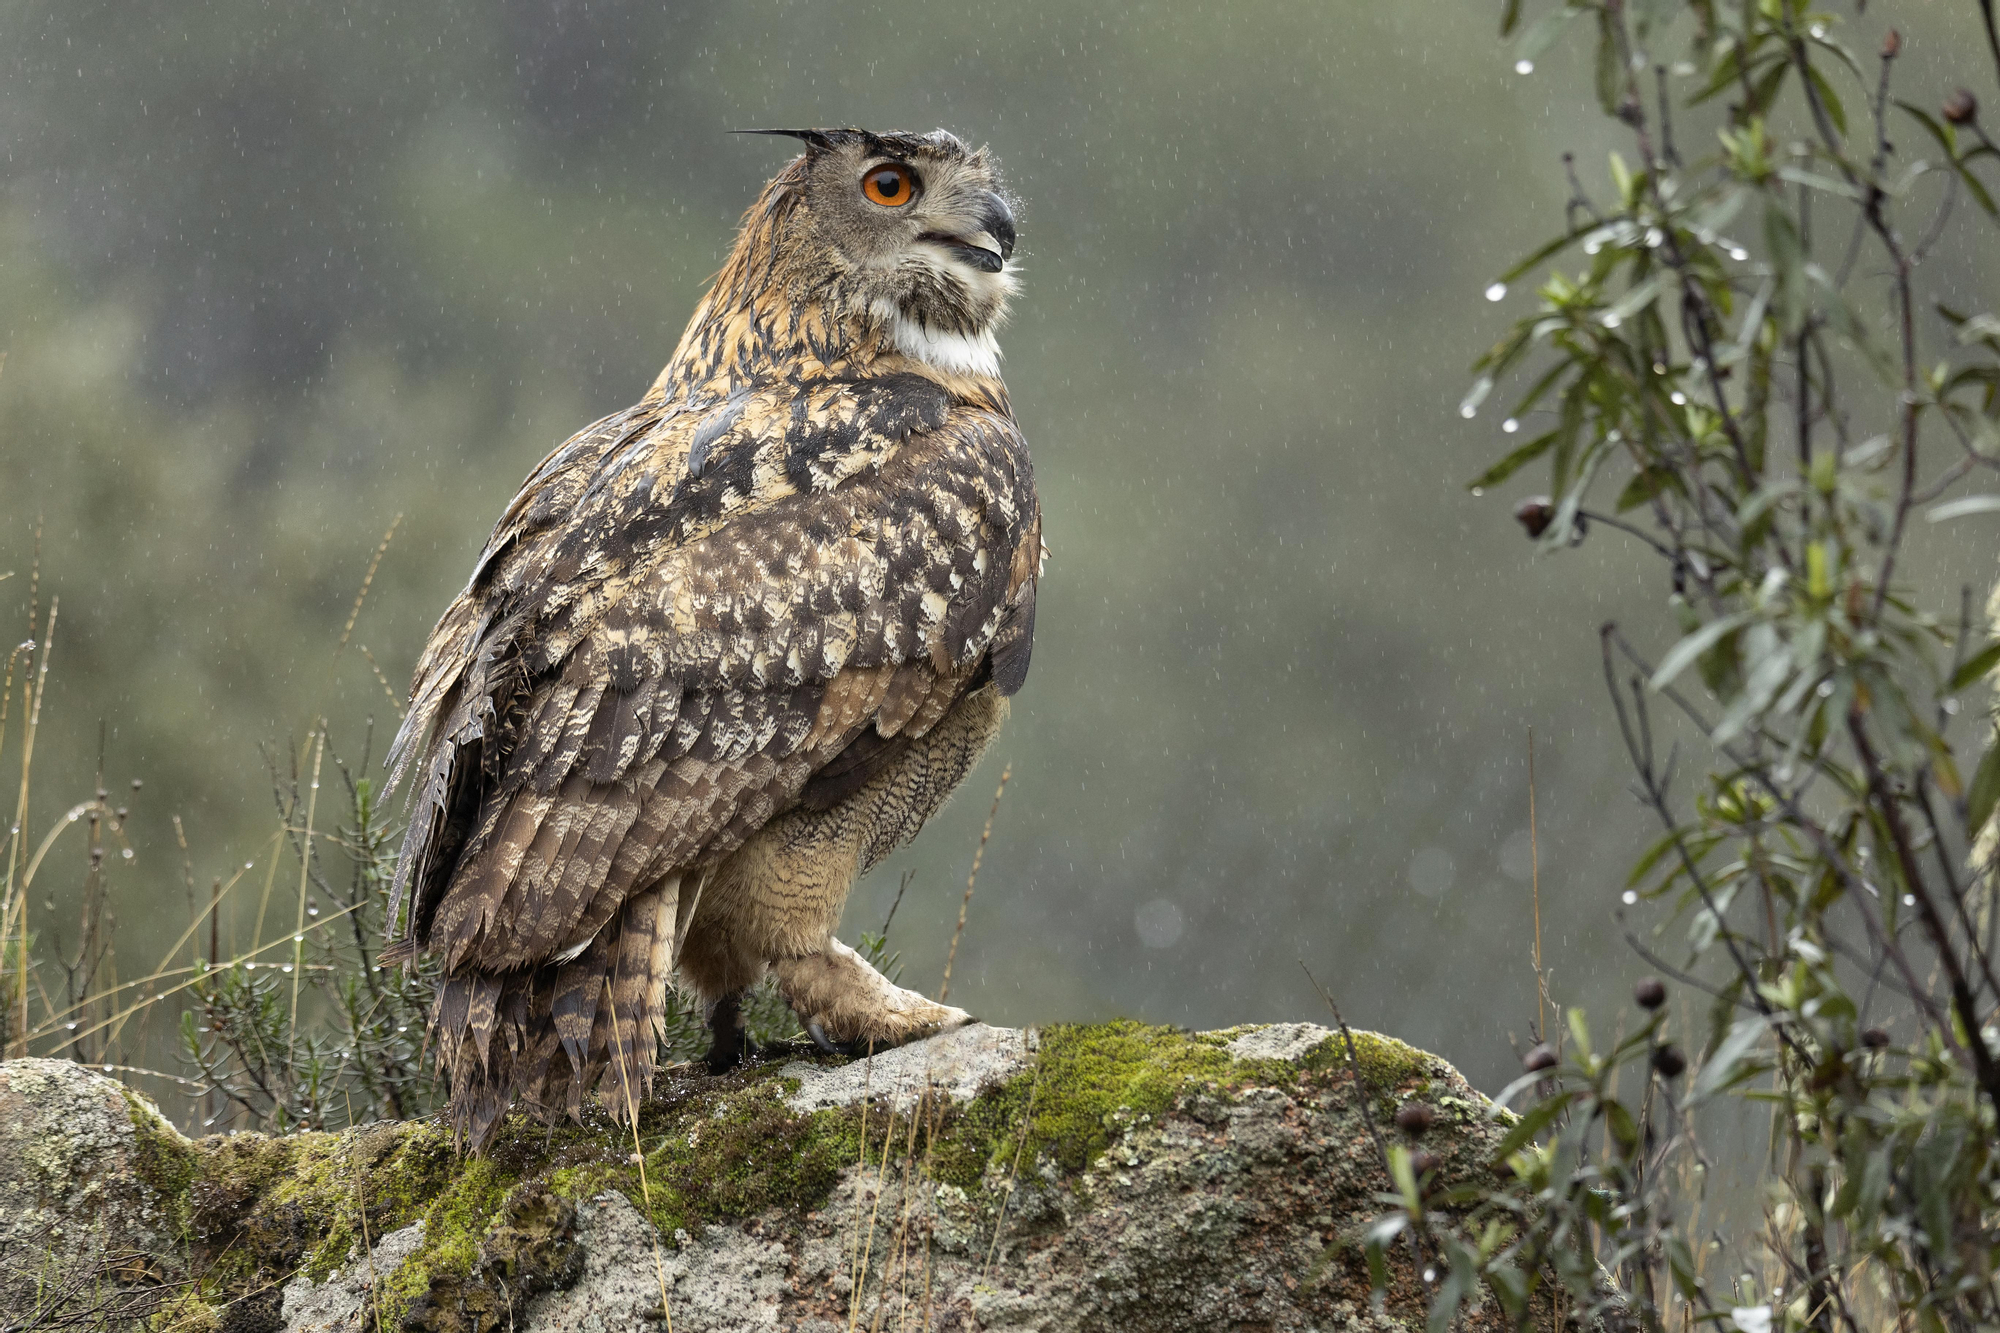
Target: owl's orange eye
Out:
[891,185]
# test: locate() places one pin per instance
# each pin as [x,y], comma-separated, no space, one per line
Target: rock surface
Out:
[82,1179]
[1070,1178]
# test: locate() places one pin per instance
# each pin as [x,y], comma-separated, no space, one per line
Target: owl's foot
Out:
[730,1037]
[847,1007]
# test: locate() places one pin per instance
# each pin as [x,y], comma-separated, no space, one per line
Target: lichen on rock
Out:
[1072,1177]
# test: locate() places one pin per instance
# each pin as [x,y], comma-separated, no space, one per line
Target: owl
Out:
[730,647]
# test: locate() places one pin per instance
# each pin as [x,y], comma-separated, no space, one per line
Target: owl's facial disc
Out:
[919,223]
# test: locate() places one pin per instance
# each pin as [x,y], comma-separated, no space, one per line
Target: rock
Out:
[342,1301]
[1070,1178]
[960,1063]
[90,1175]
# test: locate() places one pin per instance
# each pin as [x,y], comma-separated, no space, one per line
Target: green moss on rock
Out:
[499,1227]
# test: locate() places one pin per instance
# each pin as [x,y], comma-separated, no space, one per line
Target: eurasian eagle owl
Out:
[731,646]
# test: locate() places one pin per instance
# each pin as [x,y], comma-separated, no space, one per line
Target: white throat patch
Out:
[958,353]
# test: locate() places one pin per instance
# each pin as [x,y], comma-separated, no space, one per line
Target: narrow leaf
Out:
[1973,667]
[1971,504]
[1985,791]
[1694,645]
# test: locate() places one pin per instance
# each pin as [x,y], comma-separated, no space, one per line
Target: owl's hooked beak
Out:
[989,248]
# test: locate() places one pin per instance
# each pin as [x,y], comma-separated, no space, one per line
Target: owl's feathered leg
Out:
[838,993]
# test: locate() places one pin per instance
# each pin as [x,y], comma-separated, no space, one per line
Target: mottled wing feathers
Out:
[690,611]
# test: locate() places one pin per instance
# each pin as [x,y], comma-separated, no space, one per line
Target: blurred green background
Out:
[271,275]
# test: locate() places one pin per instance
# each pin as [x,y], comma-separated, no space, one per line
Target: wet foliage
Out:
[1730,361]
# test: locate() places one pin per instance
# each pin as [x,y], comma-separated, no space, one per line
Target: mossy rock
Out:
[1114,1174]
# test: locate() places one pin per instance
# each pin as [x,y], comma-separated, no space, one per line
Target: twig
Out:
[1013,1174]
[1535,885]
[965,903]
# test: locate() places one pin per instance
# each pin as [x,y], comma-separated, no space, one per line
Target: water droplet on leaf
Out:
[1510,425]
[1524,67]
[1496,291]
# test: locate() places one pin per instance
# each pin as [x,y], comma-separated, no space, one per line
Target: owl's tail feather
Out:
[549,1036]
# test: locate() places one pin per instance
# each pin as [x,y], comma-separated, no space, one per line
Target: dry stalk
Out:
[1013,1174]
[1535,887]
[965,903]
[874,1217]
[305,875]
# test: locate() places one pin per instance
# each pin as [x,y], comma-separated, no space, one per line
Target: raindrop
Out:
[1510,425]
[1612,319]
[1677,398]
[1630,897]
[1783,772]
[1496,291]
[248,864]
[1818,31]
[1524,67]
[1825,690]
[1592,246]
[1475,396]
[1909,900]
[1430,1275]
[298,939]
[72,816]
[1478,491]
[127,853]
[1951,706]
[1653,238]
[72,1027]
[286,968]
[1738,253]
[402,1029]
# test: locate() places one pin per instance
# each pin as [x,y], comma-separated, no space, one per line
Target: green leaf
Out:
[1619,1121]
[1828,98]
[1514,461]
[1534,1122]
[1621,177]
[1985,790]
[1510,16]
[1559,243]
[1732,1061]
[1610,73]
[1543,32]
[1405,1177]
[1635,300]
[1694,645]
[1765,90]
[1947,139]
[1973,667]
[1971,504]
[1651,859]
[1645,484]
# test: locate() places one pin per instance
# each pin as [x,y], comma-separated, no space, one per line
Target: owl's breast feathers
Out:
[697,613]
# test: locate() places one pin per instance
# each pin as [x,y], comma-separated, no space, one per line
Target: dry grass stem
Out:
[965,903]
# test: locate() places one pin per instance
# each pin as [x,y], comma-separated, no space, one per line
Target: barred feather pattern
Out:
[797,553]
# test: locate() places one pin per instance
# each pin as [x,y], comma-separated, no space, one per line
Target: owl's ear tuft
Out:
[818,141]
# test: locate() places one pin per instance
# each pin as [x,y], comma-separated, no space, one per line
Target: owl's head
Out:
[915,229]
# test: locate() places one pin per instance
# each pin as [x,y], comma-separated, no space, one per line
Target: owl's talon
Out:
[826,1044]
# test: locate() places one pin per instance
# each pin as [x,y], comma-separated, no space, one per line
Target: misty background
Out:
[271,276]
